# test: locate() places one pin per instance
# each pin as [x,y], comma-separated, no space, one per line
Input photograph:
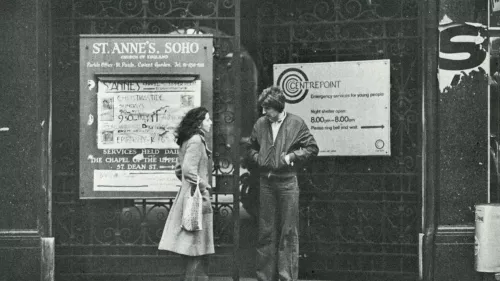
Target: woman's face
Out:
[206,123]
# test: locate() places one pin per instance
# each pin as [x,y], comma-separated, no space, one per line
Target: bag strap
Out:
[197,188]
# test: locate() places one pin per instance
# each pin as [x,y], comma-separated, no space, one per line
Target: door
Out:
[360,216]
[117,239]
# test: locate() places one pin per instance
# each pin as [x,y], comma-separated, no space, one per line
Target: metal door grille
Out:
[117,239]
[359,215]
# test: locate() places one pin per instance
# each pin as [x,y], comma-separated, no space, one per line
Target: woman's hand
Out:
[208,192]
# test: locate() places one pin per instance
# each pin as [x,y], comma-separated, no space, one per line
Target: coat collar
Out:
[202,136]
[281,117]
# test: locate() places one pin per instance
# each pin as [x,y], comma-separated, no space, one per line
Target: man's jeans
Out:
[278,248]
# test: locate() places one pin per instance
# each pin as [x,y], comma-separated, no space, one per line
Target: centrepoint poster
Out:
[346,105]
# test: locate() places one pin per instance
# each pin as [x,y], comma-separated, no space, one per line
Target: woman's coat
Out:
[192,162]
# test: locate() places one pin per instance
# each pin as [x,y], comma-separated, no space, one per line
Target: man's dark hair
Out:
[190,124]
[272,97]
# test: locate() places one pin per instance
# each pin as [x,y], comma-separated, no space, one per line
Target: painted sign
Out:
[346,105]
[134,90]
[463,48]
[495,6]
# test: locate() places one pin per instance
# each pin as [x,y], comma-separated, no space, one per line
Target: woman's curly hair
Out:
[190,124]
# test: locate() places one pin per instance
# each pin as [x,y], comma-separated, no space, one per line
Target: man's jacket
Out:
[293,139]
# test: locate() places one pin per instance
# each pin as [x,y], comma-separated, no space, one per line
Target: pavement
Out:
[244,279]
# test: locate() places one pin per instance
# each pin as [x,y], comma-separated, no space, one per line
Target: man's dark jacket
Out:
[293,139]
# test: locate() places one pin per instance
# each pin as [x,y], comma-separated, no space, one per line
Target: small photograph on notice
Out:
[107,113]
[107,137]
[187,100]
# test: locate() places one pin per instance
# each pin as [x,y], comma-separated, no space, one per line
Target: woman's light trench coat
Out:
[192,162]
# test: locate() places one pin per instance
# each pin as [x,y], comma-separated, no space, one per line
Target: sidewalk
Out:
[244,279]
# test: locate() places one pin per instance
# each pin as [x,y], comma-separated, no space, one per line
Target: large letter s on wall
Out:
[450,44]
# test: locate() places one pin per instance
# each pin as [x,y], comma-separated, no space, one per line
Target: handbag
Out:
[192,210]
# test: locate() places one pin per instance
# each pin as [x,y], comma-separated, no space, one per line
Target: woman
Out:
[192,164]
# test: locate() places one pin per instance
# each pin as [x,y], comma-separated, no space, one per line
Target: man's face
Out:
[271,113]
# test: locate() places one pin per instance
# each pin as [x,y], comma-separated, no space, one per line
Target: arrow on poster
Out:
[372,127]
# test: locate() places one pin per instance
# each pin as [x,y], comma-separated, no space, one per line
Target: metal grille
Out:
[114,239]
[359,215]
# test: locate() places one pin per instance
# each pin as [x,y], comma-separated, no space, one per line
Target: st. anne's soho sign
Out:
[134,90]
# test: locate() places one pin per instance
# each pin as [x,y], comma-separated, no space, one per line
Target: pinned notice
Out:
[143,114]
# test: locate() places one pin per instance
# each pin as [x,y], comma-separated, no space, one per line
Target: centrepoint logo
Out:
[296,85]
[290,81]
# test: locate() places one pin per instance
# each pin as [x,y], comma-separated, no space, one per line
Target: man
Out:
[280,142]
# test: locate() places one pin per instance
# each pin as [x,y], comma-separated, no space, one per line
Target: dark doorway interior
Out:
[359,215]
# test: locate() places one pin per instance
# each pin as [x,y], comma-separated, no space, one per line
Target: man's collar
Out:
[281,116]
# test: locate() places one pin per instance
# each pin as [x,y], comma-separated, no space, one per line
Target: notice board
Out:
[346,105]
[134,90]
